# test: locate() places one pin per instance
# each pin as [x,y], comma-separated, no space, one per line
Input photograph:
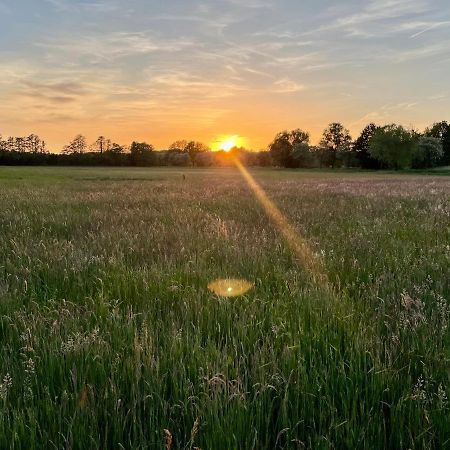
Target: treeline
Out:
[378,147]
[104,152]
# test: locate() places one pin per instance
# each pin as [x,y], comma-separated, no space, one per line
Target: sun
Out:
[227,143]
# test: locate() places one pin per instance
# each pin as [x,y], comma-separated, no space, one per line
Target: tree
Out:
[115,148]
[335,140]
[302,156]
[394,146]
[78,145]
[141,154]
[206,159]
[20,144]
[362,146]
[193,148]
[178,146]
[283,145]
[11,144]
[101,145]
[263,158]
[178,158]
[34,144]
[441,131]
[428,153]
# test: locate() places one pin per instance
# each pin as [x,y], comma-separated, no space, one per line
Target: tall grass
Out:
[109,335]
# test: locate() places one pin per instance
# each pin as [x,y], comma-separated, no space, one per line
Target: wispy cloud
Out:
[285,86]
[424,27]
[87,6]
[191,67]
[113,45]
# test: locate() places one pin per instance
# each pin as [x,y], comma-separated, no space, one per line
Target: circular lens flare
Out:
[230,287]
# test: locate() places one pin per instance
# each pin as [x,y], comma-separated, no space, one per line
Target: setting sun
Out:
[226,143]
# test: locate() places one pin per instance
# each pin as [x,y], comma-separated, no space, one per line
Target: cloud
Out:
[193,64]
[424,27]
[285,86]
[114,45]
[182,85]
[376,18]
[253,4]
[60,87]
[85,6]
[422,52]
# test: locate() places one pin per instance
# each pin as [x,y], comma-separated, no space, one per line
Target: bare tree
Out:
[78,145]
[179,146]
[102,144]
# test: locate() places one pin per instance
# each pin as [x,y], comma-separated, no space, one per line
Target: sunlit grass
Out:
[110,335]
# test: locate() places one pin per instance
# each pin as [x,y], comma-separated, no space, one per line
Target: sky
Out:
[164,70]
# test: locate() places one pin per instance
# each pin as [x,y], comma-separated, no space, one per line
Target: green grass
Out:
[109,334]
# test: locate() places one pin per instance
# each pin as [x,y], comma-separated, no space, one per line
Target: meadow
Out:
[110,337]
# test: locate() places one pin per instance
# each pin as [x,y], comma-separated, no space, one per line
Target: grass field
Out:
[109,335]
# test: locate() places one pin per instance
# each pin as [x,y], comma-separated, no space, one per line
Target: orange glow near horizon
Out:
[226,143]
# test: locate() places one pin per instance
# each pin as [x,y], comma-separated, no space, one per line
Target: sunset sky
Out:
[163,70]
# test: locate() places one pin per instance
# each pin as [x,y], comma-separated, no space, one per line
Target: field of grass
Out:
[109,334]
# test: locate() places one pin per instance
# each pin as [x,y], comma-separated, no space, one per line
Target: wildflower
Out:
[442,395]
[195,429]
[5,386]
[30,368]
[419,391]
[80,341]
[412,315]
[168,439]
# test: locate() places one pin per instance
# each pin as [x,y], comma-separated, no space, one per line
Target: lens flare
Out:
[230,287]
[306,257]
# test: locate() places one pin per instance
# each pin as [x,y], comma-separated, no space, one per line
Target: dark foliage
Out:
[441,131]
[335,143]
[394,146]
[361,148]
[282,147]
[388,147]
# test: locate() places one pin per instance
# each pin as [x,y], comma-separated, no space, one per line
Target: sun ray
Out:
[311,262]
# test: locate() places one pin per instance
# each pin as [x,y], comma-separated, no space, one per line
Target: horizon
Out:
[225,224]
[209,71]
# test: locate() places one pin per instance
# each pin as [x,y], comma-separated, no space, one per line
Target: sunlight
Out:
[230,287]
[227,143]
[311,262]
